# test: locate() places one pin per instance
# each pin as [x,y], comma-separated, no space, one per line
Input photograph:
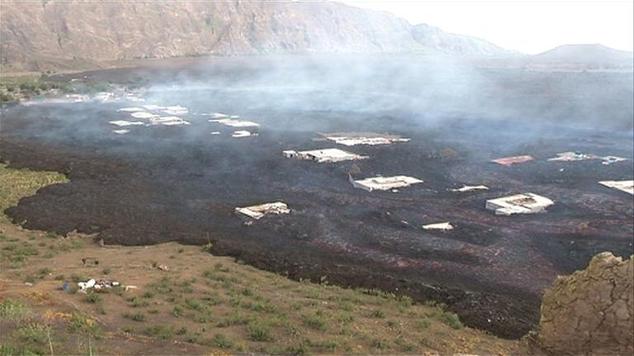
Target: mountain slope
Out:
[593,55]
[34,35]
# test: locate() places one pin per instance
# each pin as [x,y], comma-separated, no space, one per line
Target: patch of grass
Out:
[159,331]
[33,333]
[451,320]
[379,344]
[80,323]
[315,321]
[136,302]
[17,253]
[423,324]
[18,183]
[259,331]
[378,313]
[177,311]
[221,341]
[162,286]
[93,298]
[135,316]
[14,310]
[235,318]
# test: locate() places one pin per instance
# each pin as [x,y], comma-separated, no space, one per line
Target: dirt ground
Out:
[182,299]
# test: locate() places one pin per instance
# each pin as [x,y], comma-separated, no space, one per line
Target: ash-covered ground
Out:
[165,183]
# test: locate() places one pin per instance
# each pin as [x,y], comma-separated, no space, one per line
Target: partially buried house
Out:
[323,155]
[383,183]
[626,186]
[526,203]
[258,211]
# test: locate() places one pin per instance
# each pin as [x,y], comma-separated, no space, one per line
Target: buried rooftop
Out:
[323,155]
[526,203]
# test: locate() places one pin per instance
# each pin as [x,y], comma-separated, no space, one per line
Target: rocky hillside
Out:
[36,35]
[590,311]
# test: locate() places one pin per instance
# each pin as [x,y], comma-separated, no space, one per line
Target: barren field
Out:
[159,184]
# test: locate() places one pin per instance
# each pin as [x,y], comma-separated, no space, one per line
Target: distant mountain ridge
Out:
[35,35]
[585,53]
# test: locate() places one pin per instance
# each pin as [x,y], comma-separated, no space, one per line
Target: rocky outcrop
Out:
[590,311]
[37,34]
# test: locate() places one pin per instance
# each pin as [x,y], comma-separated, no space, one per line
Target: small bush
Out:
[423,324]
[377,314]
[135,316]
[93,298]
[259,331]
[33,333]
[80,323]
[222,341]
[11,309]
[315,322]
[452,320]
[159,331]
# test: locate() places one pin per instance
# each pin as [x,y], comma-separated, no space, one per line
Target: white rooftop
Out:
[384,183]
[352,139]
[125,123]
[526,203]
[236,123]
[622,185]
[323,155]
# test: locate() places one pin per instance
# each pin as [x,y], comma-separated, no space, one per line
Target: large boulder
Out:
[590,311]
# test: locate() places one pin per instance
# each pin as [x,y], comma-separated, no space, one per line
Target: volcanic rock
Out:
[590,311]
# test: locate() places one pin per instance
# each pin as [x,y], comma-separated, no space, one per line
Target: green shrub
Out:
[258,331]
[222,341]
[315,322]
[135,316]
[11,309]
[452,320]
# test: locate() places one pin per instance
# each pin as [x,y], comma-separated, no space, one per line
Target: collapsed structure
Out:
[258,211]
[383,183]
[626,186]
[526,203]
[363,138]
[612,159]
[509,161]
[323,155]
[578,156]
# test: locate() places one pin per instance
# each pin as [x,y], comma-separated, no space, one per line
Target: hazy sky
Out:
[522,25]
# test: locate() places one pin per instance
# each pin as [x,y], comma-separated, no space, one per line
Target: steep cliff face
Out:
[590,311]
[36,34]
